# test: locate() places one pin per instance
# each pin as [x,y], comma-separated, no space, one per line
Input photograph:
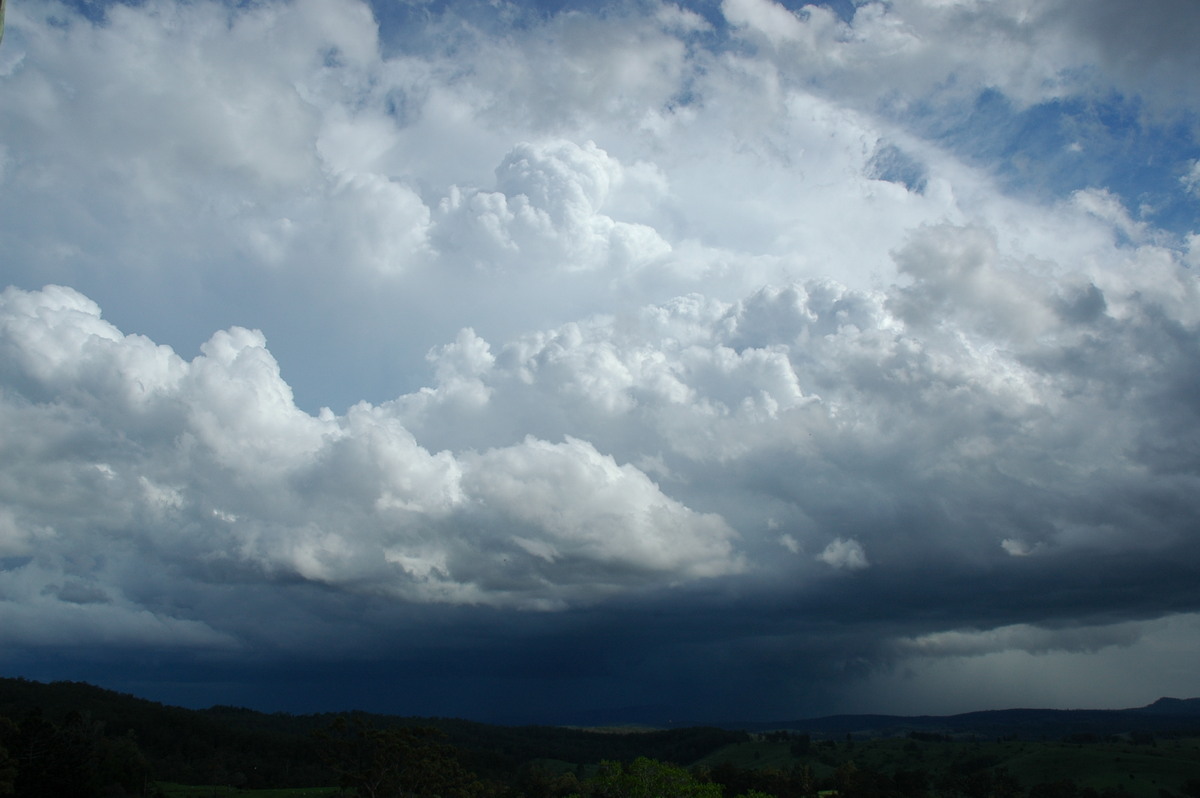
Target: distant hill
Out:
[1164,715]
[1172,706]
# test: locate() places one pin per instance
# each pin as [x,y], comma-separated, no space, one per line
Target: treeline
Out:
[73,740]
[178,745]
[244,748]
[71,759]
[851,781]
[648,778]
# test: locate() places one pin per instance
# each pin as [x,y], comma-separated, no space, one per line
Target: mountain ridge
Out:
[1161,715]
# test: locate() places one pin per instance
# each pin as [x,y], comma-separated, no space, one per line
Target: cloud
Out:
[1023,638]
[217,448]
[1191,180]
[1016,547]
[537,330]
[546,211]
[70,621]
[1145,50]
[1035,667]
[577,510]
[765,18]
[1030,54]
[844,554]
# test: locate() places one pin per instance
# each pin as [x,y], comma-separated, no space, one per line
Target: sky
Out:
[566,363]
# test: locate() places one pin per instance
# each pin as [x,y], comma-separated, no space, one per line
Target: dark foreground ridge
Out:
[208,746]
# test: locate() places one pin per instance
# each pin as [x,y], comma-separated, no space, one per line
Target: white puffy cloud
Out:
[546,212]
[847,555]
[767,18]
[208,463]
[577,510]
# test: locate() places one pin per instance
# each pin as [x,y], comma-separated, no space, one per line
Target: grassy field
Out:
[1143,770]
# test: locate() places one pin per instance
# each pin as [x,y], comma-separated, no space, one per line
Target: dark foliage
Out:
[71,759]
[390,763]
[72,740]
[234,746]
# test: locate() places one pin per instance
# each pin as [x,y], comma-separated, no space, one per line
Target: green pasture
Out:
[1141,769]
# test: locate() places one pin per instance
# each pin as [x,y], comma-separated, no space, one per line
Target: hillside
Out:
[277,749]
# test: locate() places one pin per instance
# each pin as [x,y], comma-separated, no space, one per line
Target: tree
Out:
[649,778]
[8,765]
[71,760]
[533,781]
[396,762]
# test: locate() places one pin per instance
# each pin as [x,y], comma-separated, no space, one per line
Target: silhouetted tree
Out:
[538,782]
[649,778]
[71,760]
[911,783]
[8,765]
[396,762]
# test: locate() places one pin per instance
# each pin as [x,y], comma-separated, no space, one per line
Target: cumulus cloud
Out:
[844,554]
[574,507]
[210,460]
[546,211]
